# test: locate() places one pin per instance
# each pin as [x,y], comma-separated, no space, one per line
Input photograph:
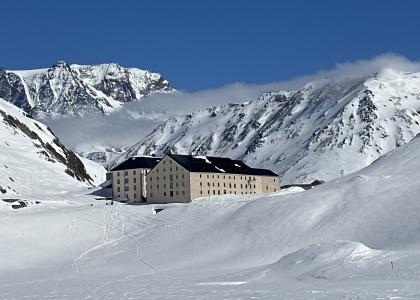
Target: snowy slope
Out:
[33,162]
[324,130]
[336,241]
[75,90]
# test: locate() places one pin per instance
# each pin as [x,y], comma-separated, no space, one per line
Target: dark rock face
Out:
[75,90]
[12,90]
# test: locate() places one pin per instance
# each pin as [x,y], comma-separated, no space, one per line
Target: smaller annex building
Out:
[129,178]
[182,178]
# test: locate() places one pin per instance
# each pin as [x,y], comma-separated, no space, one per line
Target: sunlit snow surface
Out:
[336,241]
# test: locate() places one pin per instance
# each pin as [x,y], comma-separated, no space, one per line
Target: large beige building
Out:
[182,178]
[129,178]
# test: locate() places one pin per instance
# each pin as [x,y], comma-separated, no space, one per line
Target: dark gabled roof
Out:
[210,164]
[137,162]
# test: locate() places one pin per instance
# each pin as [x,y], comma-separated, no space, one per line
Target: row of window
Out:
[126,180]
[126,188]
[171,185]
[225,192]
[134,172]
[229,177]
[171,194]
[171,177]
[230,185]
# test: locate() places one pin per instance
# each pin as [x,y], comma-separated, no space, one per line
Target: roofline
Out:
[243,174]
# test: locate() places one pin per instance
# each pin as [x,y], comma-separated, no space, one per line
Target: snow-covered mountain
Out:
[324,130]
[75,90]
[33,162]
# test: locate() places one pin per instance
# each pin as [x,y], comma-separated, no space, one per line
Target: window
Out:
[171,185]
[214,192]
[126,180]
[234,185]
[182,175]
[207,175]
[208,192]
[230,185]
[118,181]
[224,184]
[183,192]
[157,186]
[134,172]
[241,185]
[224,177]
[212,176]
[201,192]
[208,183]
[170,169]
[217,176]
[118,173]
[176,176]
[229,176]
[151,195]
[213,183]
[135,187]
[254,186]
[171,177]
[200,175]
[218,184]
[176,193]
[125,173]
[135,179]
[164,185]
[118,189]
[164,177]
[164,194]
[224,191]
[171,193]
[176,184]
[274,180]
[157,178]
[176,168]
[170,161]
[266,187]
[126,188]
[182,183]
[150,178]
[201,184]
[135,195]
[275,190]
[218,192]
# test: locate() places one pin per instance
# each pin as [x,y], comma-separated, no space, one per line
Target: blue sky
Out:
[205,44]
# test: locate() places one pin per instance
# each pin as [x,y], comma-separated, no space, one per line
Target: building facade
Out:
[182,178]
[129,179]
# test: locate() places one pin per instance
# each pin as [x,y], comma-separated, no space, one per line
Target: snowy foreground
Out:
[336,241]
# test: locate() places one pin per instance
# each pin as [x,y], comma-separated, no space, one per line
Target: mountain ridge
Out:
[75,90]
[324,130]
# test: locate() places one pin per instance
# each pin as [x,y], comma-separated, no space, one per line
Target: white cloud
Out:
[136,119]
